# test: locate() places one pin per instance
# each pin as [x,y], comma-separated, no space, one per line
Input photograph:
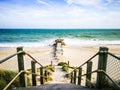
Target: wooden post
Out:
[79,76]
[21,67]
[71,77]
[51,63]
[46,75]
[75,74]
[68,63]
[41,76]
[33,71]
[88,76]
[103,53]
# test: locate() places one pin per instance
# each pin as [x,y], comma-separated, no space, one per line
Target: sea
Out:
[46,37]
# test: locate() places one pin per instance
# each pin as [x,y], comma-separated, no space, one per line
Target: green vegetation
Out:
[62,63]
[50,67]
[67,75]
[66,67]
[6,76]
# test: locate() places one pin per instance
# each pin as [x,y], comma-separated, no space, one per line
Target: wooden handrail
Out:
[22,71]
[36,74]
[20,54]
[89,59]
[118,58]
[86,61]
[7,58]
[33,59]
[101,71]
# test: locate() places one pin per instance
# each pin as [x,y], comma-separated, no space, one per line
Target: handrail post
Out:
[71,77]
[75,74]
[41,76]
[88,76]
[33,71]
[103,53]
[46,75]
[79,76]
[51,63]
[21,67]
[68,63]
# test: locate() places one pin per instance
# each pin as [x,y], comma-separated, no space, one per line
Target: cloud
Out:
[73,17]
[69,16]
[84,2]
[43,2]
[94,3]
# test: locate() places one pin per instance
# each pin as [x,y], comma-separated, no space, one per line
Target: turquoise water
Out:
[44,37]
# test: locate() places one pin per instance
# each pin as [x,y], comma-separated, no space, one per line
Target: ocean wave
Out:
[92,42]
[68,42]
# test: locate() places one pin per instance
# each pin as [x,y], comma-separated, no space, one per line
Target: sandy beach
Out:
[75,55]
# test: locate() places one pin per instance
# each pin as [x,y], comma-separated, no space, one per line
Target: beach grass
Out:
[6,76]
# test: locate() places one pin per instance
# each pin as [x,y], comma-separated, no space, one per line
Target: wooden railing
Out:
[76,74]
[102,77]
[20,56]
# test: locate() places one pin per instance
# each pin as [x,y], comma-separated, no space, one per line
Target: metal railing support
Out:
[21,67]
[103,52]
[33,71]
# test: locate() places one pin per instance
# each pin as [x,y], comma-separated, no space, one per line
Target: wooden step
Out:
[56,87]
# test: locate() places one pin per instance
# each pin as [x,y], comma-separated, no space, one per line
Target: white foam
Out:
[45,43]
[68,41]
[78,42]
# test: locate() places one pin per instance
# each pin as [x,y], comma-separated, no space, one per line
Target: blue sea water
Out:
[46,37]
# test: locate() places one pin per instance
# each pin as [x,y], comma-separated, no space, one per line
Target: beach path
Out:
[59,82]
[59,76]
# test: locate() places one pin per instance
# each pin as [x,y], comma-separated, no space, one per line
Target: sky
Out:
[59,13]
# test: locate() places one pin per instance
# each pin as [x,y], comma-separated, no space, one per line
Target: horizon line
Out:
[59,28]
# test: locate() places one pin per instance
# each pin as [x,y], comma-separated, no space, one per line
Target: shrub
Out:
[2,83]
[50,67]
[62,63]
[6,76]
[72,67]
[65,68]
[67,75]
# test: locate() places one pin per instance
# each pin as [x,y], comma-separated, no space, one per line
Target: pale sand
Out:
[75,55]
